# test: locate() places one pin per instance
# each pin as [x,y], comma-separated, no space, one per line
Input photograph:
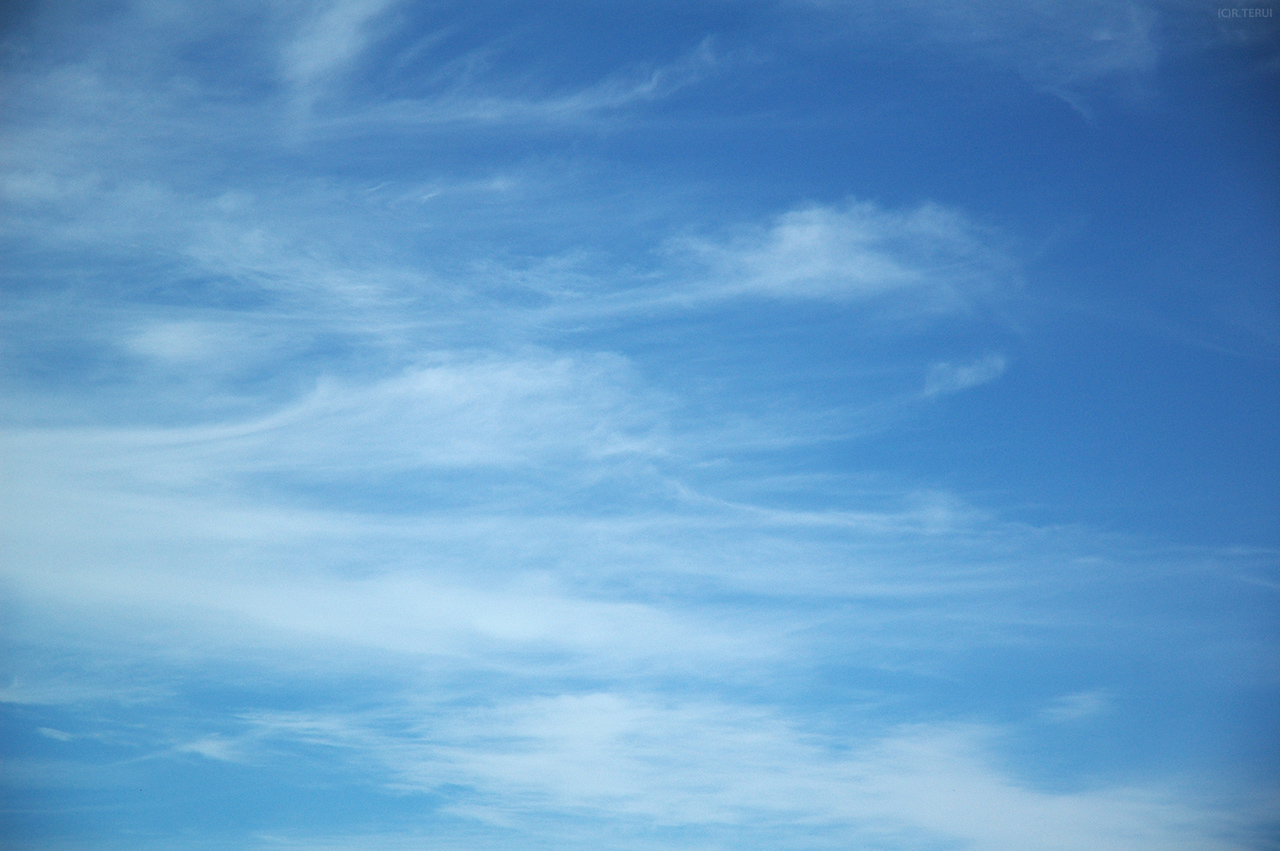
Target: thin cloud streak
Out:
[947,378]
[615,759]
[465,106]
[1076,51]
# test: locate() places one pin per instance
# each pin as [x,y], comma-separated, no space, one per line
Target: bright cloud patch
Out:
[858,252]
[945,378]
[1073,707]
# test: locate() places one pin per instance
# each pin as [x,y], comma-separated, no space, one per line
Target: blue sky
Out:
[701,425]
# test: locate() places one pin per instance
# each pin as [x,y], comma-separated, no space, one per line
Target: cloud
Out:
[467,102]
[858,251]
[1066,48]
[459,412]
[213,748]
[329,41]
[1076,706]
[947,378]
[614,760]
[57,735]
[181,342]
[1073,49]
[609,669]
[503,623]
[378,461]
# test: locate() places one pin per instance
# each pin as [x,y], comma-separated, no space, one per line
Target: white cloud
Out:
[180,341]
[40,187]
[1061,45]
[614,759]
[215,748]
[1076,706]
[57,735]
[489,411]
[328,42]
[1073,49]
[467,102]
[947,378]
[463,412]
[443,496]
[932,256]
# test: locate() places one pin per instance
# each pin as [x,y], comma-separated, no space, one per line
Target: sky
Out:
[724,424]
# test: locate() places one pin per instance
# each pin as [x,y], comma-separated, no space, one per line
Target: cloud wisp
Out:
[857,252]
[623,759]
[947,378]
[1075,51]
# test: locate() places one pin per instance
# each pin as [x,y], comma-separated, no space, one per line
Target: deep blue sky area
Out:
[738,424]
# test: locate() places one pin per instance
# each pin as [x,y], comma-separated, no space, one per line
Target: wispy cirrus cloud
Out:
[902,264]
[617,761]
[1075,707]
[1073,50]
[327,41]
[858,251]
[1066,48]
[946,378]
[468,103]
[371,433]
